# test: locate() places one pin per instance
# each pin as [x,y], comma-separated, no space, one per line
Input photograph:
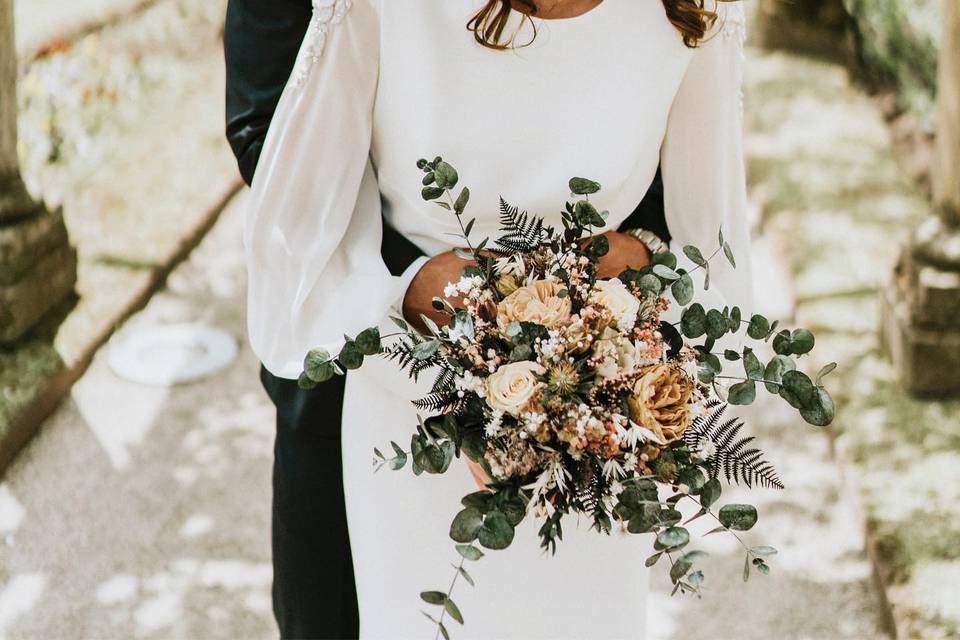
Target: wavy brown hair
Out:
[691,18]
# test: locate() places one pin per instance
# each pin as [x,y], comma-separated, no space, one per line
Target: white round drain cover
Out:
[171,354]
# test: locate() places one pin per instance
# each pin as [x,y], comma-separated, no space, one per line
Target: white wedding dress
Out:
[380,83]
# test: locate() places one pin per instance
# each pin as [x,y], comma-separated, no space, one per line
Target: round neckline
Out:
[583,16]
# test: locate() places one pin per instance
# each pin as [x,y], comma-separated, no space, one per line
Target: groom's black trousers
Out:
[314,595]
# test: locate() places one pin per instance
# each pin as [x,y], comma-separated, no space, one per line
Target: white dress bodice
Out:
[607,95]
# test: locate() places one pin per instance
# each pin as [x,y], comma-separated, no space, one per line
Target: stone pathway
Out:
[143,512]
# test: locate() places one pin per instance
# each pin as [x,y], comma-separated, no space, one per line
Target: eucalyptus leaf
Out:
[466,576]
[801,341]
[368,342]
[673,538]
[716,325]
[693,556]
[763,550]
[693,321]
[752,366]
[742,393]
[710,493]
[773,373]
[453,610]
[496,531]
[466,525]
[469,552]
[425,350]
[679,569]
[433,597]
[683,290]
[304,382]
[644,520]
[317,365]
[821,411]
[825,371]
[666,258]
[350,356]
[694,479]
[782,344]
[759,327]
[695,255]
[431,193]
[446,175]
[461,204]
[665,272]
[583,186]
[739,517]
[728,252]
[651,285]
[797,389]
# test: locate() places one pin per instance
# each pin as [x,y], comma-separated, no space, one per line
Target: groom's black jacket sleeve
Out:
[261,41]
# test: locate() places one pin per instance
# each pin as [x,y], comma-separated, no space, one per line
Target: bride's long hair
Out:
[690,17]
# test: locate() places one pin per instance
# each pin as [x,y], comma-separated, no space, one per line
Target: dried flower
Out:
[537,302]
[660,401]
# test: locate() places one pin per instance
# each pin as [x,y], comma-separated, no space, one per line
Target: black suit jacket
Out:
[261,41]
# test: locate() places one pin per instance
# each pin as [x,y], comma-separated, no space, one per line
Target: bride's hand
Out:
[428,283]
[479,474]
[626,252]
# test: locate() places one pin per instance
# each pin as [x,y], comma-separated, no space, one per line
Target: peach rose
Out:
[537,302]
[660,401]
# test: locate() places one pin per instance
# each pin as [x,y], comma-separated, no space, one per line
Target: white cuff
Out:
[404,280]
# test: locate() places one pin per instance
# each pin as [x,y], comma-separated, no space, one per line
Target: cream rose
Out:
[512,386]
[537,302]
[615,296]
[617,356]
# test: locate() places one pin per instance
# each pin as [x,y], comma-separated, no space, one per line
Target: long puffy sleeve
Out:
[703,164]
[313,223]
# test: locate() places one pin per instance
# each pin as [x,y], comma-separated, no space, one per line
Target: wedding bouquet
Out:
[574,393]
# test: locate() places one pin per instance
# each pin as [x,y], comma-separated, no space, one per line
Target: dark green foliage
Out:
[734,457]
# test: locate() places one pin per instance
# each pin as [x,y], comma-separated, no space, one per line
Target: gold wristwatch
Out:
[650,240]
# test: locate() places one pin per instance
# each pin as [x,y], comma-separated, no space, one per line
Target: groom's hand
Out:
[429,283]
[626,252]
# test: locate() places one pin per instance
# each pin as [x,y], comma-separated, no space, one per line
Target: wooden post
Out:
[38,267]
[14,201]
[946,173]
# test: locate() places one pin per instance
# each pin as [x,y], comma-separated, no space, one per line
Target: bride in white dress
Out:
[608,94]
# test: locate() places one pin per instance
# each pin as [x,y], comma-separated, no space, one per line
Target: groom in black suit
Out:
[314,595]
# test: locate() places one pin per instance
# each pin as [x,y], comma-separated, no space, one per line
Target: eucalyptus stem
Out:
[453,582]
[714,516]
[707,261]
[459,217]
[740,379]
